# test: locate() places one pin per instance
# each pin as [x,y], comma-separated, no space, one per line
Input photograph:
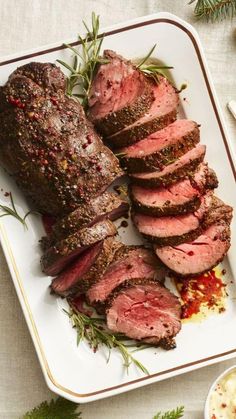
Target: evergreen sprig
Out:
[214,10]
[55,409]
[172,414]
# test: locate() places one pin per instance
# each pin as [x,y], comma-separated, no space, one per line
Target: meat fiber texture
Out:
[129,262]
[174,230]
[161,148]
[120,94]
[181,168]
[48,145]
[180,198]
[145,310]
[162,113]
[57,257]
[79,276]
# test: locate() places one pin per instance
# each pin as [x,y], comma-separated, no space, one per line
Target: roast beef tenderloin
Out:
[180,198]
[145,310]
[161,148]
[57,257]
[120,94]
[162,113]
[47,144]
[179,169]
[199,256]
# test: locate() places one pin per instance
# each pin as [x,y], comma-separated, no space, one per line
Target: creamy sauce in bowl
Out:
[222,400]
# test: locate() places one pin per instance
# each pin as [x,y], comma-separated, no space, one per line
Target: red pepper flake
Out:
[54,100]
[191,253]
[84,145]
[206,289]
[99,168]
[89,139]
[16,102]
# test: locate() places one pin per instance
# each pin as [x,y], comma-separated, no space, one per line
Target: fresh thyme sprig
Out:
[94,331]
[13,212]
[214,10]
[152,70]
[172,414]
[85,61]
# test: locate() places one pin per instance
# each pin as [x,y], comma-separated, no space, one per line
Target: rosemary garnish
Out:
[81,73]
[13,212]
[95,332]
[152,70]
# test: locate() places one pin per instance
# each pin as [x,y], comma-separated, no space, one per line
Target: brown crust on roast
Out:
[158,160]
[108,249]
[168,209]
[138,132]
[67,248]
[179,174]
[48,145]
[116,121]
[91,212]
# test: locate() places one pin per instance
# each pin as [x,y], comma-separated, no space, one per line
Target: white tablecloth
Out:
[25,24]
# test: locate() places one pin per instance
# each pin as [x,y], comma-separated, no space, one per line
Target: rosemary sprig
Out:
[214,10]
[94,331]
[152,70]
[172,414]
[85,60]
[13,212]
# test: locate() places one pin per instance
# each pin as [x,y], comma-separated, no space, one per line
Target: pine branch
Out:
[172,414]
[214,10]
[55,409]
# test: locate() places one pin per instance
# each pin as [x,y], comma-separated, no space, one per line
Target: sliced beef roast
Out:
[47,144]
[161,148]
[162,113]
[179,198]
[199,256]
[57,257]
[108,205]
[120,94]
[172,173]
[129,262]
[83,272]
[174,230]
[145,310]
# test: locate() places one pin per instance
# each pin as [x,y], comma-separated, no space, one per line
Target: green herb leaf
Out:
[13,212]
[81,75]
[214,10]
[172,414]
[152,70]
[55,409]
[95,332]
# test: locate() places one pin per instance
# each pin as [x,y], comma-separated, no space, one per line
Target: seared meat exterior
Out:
[57,257]
[120,94]
[129,262]
[180,169]
[47,144]
[199,256]
[162,113]
[161,148]
[146,311]
[84,271]
[180,198]
[174,230]
[107,205]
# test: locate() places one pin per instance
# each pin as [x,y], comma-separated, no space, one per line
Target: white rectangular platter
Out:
[77,373]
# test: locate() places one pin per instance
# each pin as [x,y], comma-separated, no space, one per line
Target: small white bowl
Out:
[207,407]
